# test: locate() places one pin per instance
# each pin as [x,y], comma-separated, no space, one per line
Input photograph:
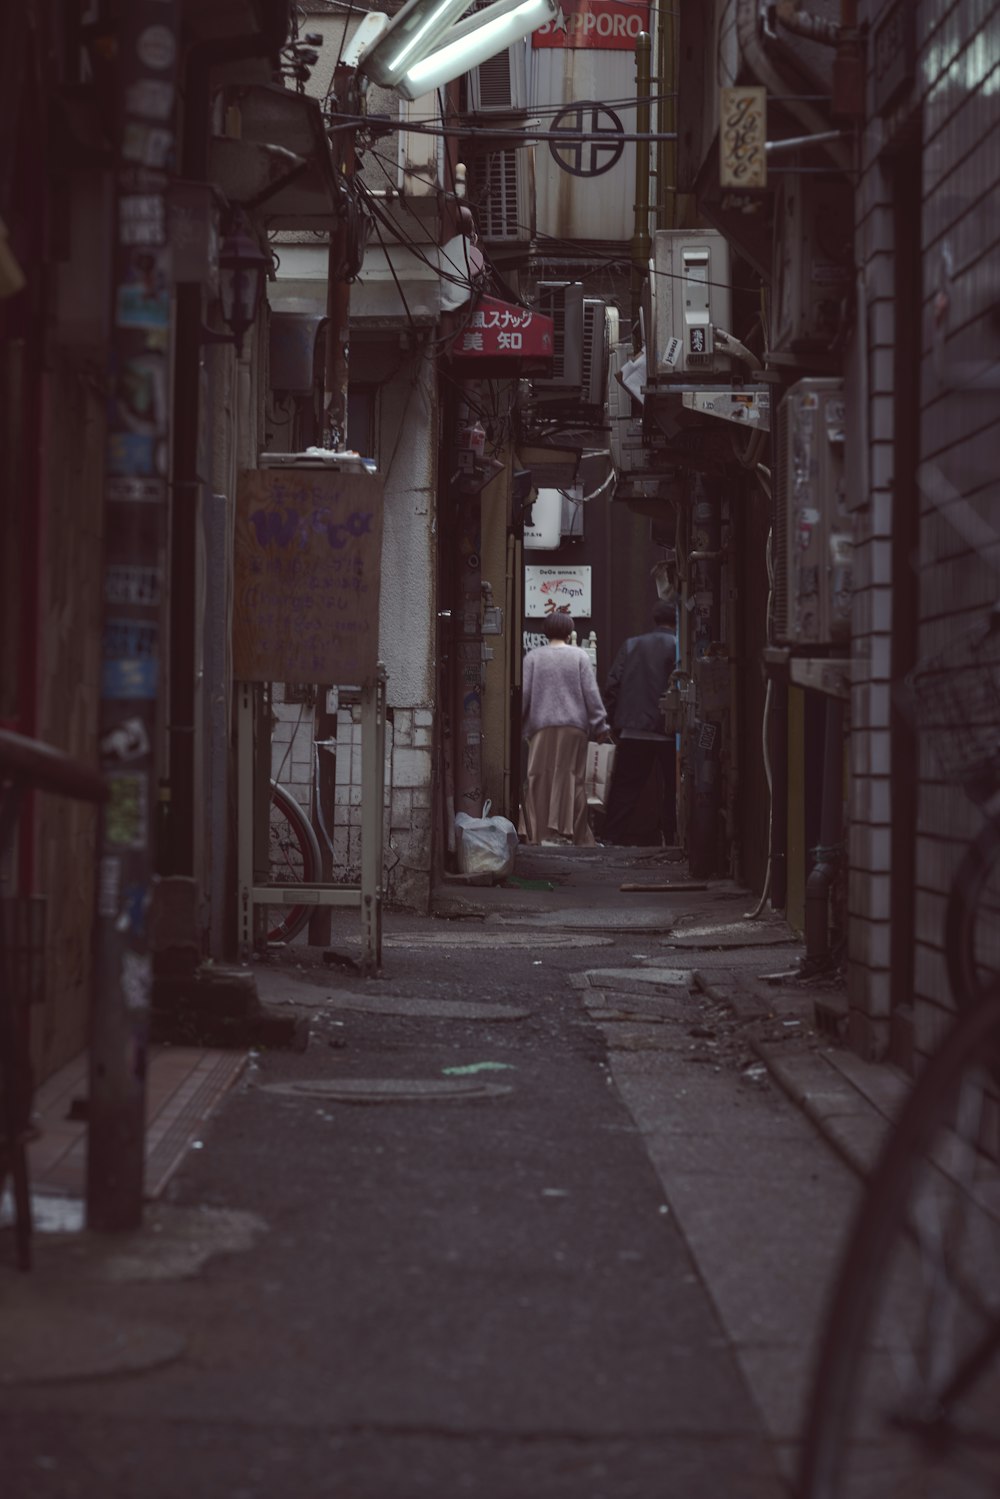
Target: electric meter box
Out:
[690,296]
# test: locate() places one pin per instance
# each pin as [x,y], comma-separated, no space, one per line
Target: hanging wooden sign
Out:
[308,551]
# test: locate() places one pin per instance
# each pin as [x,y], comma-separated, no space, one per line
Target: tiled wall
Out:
[407,822]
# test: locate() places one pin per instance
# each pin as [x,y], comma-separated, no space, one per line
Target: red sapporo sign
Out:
[501,328]
[594,23]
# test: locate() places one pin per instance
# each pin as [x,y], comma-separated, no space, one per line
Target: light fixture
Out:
[243,265]
[423,47]
[475,40]
[410,35]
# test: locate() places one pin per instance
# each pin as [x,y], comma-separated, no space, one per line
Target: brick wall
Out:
[958,89]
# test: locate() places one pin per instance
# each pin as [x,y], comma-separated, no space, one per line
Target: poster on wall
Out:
[551,589]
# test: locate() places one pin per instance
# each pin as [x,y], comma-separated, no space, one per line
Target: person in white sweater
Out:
[561,710]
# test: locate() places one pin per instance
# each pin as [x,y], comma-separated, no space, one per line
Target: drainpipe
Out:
[640,235]
[824,872]
[666,114]
[704,571]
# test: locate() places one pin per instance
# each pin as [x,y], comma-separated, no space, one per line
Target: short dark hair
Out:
[664,613]
[558,626]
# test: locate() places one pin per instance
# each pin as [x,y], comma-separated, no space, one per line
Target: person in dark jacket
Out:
[637,680]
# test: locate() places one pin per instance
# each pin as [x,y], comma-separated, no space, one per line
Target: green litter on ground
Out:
[514,882]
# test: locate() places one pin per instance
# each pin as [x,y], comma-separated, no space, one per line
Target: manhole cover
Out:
[389,1089]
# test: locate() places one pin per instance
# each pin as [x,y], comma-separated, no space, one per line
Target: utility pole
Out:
[132,622]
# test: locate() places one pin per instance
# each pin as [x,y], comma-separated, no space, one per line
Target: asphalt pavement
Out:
[548,1209]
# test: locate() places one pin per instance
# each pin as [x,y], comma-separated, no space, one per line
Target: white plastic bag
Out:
[486,845]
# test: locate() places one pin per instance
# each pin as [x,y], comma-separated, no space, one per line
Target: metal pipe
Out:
[640,236]
[705,750]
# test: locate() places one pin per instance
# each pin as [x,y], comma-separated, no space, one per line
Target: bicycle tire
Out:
[972,919]
[294,856]
[839,1458]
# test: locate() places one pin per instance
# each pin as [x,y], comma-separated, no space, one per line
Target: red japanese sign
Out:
[594,23]
[502,329]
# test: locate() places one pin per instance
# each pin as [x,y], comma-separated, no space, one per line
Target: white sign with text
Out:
[547,589]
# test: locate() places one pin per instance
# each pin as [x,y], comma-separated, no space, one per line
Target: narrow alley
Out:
[526,1216]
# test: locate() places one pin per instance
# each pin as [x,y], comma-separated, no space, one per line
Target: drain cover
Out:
[389,1089]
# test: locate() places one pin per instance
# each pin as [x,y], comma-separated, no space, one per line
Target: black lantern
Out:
[243,265]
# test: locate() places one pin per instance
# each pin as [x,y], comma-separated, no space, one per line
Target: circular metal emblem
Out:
[591,147]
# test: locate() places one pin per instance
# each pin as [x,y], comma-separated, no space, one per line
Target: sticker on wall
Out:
[131,662]
[109,879]
[137,490]
[149,99]
[139,395]
[132,916]
[149,145]
[156,47]
[143,296]
[126,821]
[128,584]
[128,740]
[131,453]
[142,219]
[137,979]
[706,735]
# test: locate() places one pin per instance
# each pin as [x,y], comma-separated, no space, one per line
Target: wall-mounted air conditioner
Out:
[812,594]
[562,301]
[594,361]
[501,194]
[813,259]
[690,295]
[500,85]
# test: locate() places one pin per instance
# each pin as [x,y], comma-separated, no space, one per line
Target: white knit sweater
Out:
[560,691]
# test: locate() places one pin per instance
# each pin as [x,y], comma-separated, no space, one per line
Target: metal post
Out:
[245,806]
[704,832]
[640,235]
[132,624]
[372,816]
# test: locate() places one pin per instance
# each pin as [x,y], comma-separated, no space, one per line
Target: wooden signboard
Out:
[308,552]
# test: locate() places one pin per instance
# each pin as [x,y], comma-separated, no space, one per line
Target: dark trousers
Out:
[635,761]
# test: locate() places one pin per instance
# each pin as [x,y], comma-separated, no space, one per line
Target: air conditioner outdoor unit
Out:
[813,255]
[594,362]
[500,85]
[690,295]
[502,194]
[562,301]
[812,594]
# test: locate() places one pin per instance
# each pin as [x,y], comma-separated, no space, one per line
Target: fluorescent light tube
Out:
[411,34]
[473,41]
